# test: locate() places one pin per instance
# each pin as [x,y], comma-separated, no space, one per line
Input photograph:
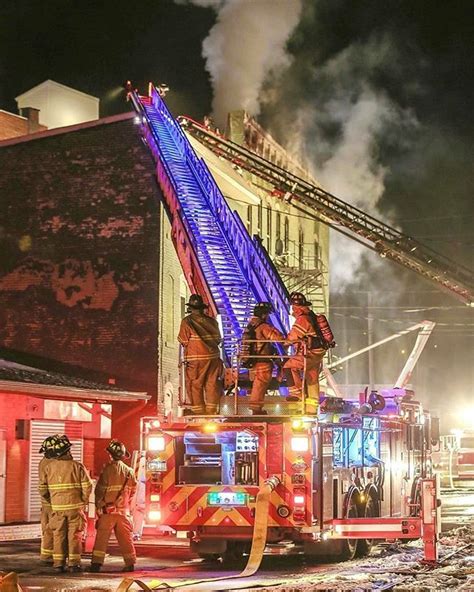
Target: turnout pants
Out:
[122,527]
[68,530]
[262,372]
[204,385]
[46,553]
[313,368]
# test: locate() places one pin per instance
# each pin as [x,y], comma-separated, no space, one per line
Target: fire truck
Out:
[326,484]
[359,471]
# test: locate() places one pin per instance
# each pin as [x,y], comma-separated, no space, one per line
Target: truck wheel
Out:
[234,554]
[370,510]
[211,557]
[349,546]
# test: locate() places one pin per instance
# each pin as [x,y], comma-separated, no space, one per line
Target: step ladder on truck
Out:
[327,484]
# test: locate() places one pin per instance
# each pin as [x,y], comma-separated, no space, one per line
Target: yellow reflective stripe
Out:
[98,554]
[66,486]
[114,488]
[59,507]
[74,556]
[42,487]
[46,551]
[59,556]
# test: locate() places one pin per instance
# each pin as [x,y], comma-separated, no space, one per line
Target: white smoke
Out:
[347,163]
[245,46]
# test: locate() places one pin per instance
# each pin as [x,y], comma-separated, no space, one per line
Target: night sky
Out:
[412,63]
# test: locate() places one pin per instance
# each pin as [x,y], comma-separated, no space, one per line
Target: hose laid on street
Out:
[259,541]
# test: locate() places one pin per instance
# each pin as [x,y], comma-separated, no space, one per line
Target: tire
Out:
[370,510]
[349,546]
[234,554]
[210,557]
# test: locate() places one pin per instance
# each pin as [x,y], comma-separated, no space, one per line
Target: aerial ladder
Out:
[220,261]
[314,201]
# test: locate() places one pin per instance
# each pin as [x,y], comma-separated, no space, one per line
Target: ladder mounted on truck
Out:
[220,261]
[343,217]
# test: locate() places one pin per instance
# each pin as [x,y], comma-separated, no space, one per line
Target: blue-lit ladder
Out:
[235,269]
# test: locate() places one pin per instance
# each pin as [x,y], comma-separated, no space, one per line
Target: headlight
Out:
[299,444]
[156,443]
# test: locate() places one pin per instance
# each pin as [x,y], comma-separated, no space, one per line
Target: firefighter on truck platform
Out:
[113,494]
[306,336]
[200,337]
[262,332]
[65,484]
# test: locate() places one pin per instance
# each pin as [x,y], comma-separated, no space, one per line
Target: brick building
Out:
[88,273]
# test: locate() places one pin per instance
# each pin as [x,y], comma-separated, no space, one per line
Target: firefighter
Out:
[200,337]
[114,492]
[46,553]
[66,485]
[305,337]
[262,368]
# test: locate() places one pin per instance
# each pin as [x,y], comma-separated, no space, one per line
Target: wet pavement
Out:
[171,562]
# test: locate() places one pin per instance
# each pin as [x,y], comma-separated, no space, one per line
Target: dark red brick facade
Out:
[79,242]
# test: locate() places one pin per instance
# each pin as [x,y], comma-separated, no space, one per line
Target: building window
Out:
[170,312]
[260,219]
[269,228]
[249,219]
[286,234]
[301,249]
[278,225]
[316,254]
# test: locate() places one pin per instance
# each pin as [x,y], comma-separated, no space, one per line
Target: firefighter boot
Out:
[95,567]
[129,568]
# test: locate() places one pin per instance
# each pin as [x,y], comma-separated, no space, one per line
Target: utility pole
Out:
[370,321]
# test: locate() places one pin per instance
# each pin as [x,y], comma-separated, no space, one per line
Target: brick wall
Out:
[79,249]
[12,126]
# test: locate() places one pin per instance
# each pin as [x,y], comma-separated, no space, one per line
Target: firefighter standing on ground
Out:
[66,485]
[262,368]
[304,335]
[46,553]
[200,337]
[113,495]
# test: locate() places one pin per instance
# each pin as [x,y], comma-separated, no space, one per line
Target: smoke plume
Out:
[339,130]
[245,47]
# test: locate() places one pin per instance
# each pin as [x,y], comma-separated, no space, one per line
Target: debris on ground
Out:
[398,567]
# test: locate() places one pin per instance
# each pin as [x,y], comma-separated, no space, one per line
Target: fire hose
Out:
[259,541]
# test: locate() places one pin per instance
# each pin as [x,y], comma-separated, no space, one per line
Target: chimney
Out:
[32,115]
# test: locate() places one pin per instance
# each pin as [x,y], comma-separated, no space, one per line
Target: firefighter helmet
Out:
[117,450]
[47,447]
[299,299]
[262,308]
[196,302]
[61,446]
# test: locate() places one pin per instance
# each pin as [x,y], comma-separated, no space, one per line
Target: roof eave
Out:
[69,393]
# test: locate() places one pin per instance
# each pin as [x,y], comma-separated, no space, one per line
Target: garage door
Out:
[39,430]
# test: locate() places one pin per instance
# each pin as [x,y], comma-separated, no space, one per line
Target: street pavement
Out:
[169,560]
